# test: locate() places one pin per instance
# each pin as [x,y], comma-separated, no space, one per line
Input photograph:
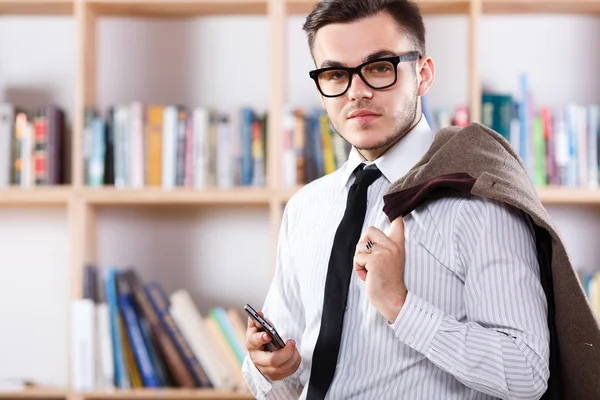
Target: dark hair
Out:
[406,13]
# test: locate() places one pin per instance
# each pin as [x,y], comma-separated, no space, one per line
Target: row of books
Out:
[311,147]
[558,145]
[168,146]
[173,146]
[33,146]
[129,334]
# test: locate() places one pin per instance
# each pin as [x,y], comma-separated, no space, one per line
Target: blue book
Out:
[246,147]
[139,345]
[222,319]
[122,380]
[160,303]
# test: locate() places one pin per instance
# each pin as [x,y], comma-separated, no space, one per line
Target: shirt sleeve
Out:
[502,348]
[284,309]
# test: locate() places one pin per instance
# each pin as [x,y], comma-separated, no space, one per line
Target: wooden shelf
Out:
[548,196]
[178,8]
[540,6]
[36,7]
[34,394]
[141,394]
[175,394]
[109,196]
[304,7]
[569,196]
[38,196]
[159,196]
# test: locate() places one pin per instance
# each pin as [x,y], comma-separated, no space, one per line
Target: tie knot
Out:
[366,176]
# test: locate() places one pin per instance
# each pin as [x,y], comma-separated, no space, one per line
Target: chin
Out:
[365,139]
[368,144]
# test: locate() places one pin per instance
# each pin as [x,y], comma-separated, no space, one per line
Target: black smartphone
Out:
[276,342]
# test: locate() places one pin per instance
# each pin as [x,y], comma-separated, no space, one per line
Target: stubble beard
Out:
[404,120]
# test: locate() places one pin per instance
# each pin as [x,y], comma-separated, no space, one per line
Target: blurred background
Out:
[147,149]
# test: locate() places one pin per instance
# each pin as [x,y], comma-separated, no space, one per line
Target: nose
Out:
[359,89]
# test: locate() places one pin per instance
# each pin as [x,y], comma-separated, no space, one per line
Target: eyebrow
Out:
[370,57]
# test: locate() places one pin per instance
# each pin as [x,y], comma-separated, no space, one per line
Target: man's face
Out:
[371,120]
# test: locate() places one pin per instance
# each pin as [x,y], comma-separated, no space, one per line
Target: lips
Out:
[363,116]
[363,113]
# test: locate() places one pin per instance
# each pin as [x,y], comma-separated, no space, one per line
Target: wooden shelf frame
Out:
[83,202]
[177,8]
[428,7]
[36,7]
[137,394]
[541,7]
[175,394]
[35,196]
[35,393]
[178,196]
[237,196]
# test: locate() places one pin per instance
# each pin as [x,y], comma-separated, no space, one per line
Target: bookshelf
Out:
[540,6]
[174,394]
[83,203]
[42,196]
[36,7]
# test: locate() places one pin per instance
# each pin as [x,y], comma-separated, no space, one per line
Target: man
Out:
[443,304]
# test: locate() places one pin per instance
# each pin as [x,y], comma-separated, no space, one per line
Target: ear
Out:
[426,71]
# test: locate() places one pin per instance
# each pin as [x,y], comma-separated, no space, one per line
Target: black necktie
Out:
[336,285]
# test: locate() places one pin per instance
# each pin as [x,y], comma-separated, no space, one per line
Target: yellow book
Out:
[136,380]
[154,133]
[220,342]
[328,157]
[299,143]
[238,324]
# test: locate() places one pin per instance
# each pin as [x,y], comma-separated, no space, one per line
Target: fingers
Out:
[276,359]
[380,240]
[360,265]
[256,339]
[396,232]
[377,237]
[285,369]
[368,247]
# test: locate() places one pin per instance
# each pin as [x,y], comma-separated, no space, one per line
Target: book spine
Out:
[165,345]
[83,315]
[121,374]
[7,118]
[154,145]
[220,316]
[105,364]
[138,346]
[159,301]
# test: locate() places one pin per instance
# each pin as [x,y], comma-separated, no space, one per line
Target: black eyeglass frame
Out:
[395,60]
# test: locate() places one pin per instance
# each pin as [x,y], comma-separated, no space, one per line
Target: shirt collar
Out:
[399,158]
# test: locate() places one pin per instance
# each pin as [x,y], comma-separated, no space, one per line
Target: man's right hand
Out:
[274,365]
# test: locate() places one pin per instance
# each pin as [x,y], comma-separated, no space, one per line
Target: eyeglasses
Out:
[377,74]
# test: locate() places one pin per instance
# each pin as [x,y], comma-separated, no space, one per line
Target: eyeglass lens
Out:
[378,74]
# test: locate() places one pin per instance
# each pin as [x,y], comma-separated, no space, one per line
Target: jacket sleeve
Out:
[502,348]
[284,309]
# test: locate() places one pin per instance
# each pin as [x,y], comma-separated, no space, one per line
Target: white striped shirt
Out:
[473,326]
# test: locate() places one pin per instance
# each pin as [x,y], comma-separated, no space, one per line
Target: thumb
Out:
[396,232]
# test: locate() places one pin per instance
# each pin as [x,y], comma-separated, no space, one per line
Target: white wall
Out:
[222,254]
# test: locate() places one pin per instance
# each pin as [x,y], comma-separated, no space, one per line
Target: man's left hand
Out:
[382,268]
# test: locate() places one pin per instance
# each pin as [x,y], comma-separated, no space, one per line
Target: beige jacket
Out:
[478,161]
